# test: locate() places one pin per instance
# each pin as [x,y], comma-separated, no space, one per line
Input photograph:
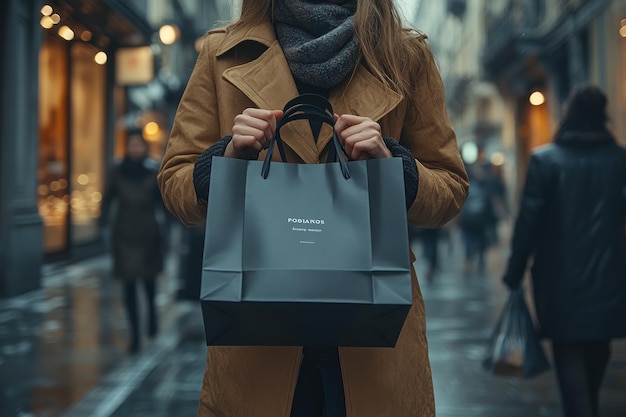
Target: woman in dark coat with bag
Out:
[572,222]
[136,236]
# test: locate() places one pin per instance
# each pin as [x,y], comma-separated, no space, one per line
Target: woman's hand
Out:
[360,137]
[252,131]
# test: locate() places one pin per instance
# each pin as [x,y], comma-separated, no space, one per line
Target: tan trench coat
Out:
[245,67]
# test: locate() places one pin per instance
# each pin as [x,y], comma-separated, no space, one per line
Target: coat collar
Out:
[268,83]
[262,33]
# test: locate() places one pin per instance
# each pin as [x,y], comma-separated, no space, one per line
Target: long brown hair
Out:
[389,51]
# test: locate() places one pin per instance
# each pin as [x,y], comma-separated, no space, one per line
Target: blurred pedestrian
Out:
[499,202]
[384,83]
[430,242]
[571,222]
[476,219]
[131,203]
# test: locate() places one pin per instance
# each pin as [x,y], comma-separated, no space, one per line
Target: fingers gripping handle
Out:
[309,107]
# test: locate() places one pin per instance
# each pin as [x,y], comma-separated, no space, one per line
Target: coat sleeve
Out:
[195,128]
[532,204]
[443,184]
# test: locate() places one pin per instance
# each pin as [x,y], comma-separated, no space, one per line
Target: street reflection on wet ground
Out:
[63,351]
[58,342]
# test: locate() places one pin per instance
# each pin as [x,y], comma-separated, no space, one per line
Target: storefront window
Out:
[87,143]
[72,132]
[53,136]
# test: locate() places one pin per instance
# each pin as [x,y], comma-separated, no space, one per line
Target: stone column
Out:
[21,250]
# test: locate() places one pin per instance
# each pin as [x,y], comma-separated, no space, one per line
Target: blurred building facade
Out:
[75,74]
[508,66]
[456,31]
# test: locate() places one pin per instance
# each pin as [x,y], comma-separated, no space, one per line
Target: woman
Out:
[136,239]
[571,221]
[384,85]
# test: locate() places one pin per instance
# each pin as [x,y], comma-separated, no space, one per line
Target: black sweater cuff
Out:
[411,176]
[202,167]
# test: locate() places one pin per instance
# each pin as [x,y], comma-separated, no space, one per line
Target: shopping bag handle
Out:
[309,107]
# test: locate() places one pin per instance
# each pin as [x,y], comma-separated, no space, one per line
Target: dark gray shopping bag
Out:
[312,255]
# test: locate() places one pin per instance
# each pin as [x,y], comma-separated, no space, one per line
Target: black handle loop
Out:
[309,107]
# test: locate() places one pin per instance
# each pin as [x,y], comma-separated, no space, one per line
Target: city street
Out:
[63,351]
[112,112]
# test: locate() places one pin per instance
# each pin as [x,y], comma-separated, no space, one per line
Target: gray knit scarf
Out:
[317,37]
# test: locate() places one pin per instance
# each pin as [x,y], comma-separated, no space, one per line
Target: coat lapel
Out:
[268,83]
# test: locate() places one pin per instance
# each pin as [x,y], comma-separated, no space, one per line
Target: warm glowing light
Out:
[623,22]
[622,31]
[46,10]
[97,197]
[85,36]
[497,159]
[66,33]
[43,189]
[55,186]
[537,98]
[83,179]
[46,22]
[100,58]
[168,34]
[151,129]
[55,18]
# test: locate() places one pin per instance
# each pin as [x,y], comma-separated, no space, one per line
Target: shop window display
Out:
[71,158]
[53,136]
[87,144]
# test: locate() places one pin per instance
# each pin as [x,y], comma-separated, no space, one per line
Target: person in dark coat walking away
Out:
[571,221]
[136,235]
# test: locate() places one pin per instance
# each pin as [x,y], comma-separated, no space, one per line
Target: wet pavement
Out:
[63,351]
[62,343]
